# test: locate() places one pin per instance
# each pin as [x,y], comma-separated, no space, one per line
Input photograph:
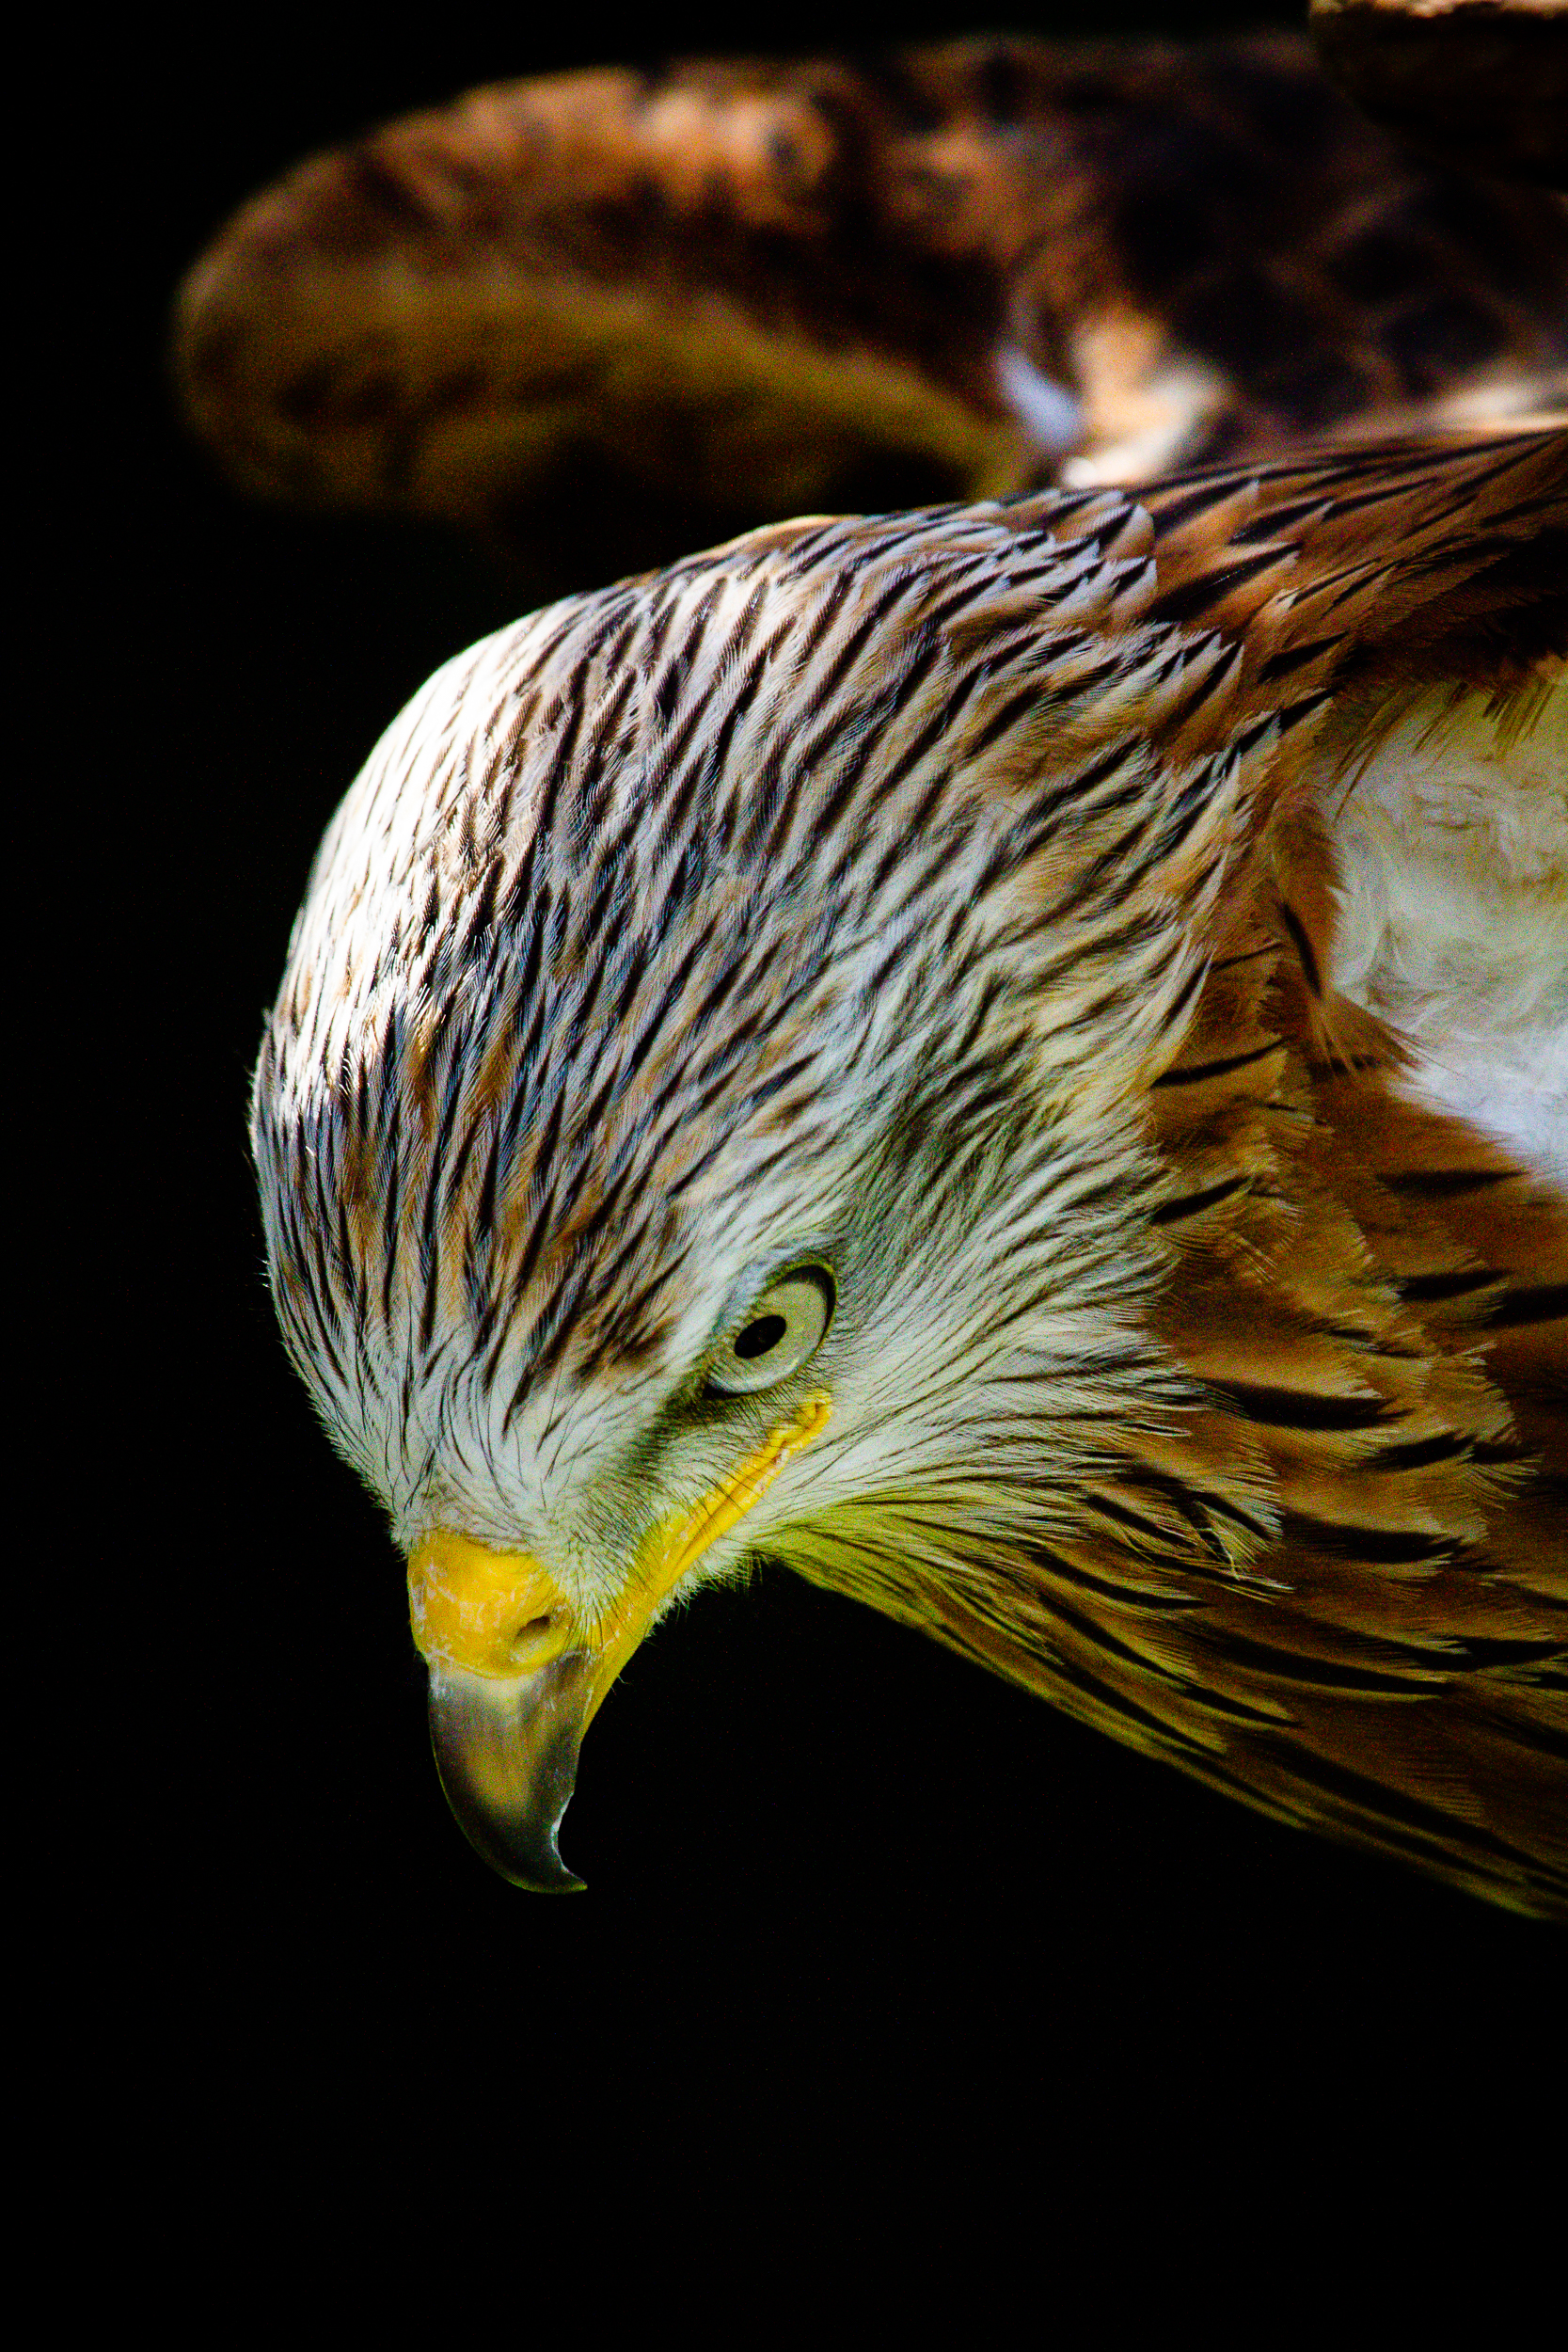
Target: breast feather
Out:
[1452,840]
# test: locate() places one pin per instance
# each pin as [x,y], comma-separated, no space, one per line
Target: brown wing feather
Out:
[1426,1549]
[1368,1293]
[749,288]
[1338,1588]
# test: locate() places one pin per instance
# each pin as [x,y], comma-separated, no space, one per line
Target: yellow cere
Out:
[495,1613]
[501,1613]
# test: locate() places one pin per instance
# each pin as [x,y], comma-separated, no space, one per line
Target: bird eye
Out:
[784,1330]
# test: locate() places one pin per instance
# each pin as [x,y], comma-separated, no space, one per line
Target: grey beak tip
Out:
[533,1864]
[553,1879]
[507,1754]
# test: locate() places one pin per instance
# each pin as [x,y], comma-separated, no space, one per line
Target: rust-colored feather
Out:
[1374,1294]
[734,290]
[1319,1553]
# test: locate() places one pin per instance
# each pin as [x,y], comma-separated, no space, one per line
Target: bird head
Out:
[701,1115]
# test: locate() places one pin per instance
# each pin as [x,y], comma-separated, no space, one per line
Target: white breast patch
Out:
[1455,847]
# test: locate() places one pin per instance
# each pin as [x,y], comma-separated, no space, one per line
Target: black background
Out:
[835,1876]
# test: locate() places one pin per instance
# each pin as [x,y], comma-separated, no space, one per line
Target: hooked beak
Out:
[516,1675]
[507,1754]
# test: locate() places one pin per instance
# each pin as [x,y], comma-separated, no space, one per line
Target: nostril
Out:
[531,1636]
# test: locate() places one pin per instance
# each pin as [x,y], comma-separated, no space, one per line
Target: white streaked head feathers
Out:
[819,897]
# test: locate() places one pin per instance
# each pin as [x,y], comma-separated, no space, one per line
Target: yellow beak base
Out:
[516,1676]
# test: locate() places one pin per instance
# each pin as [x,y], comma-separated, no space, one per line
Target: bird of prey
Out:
[1011,1057]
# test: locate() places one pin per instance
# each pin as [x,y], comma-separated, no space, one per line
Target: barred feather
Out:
[957,896]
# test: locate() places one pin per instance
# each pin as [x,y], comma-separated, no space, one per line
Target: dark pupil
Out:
[760,1336]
